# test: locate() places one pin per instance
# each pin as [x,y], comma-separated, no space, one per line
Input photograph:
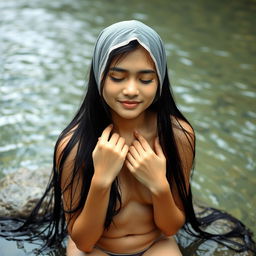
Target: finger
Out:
[158,147]
[137,145]
[114,138]
[120,143]
[134,152]
[131,159]
[106,133]
[124,150]
[129,166]
[142,141]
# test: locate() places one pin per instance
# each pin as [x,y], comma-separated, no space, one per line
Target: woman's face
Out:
[131,84]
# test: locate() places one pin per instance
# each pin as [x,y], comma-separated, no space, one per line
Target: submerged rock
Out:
[20,191]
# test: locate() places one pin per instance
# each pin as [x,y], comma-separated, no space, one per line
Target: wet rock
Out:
[20,191]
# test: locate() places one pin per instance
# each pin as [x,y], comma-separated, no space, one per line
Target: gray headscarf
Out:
[121,34]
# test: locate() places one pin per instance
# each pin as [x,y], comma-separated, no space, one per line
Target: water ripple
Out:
[46,49]
[14,119]
[10,147]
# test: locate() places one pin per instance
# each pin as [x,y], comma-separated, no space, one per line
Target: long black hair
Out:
[47,220]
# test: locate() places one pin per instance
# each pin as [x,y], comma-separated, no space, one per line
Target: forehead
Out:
[138,58]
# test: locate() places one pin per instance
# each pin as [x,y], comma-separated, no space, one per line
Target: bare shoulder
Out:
[62,144]
[183,131]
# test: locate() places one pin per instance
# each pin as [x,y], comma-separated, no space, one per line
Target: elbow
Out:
[83,246]
[174,226]
[168,230]
[171,231]
[83,240]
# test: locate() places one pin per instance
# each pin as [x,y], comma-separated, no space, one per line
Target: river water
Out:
[46,49]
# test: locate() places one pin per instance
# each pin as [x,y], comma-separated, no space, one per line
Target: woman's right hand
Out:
[109,155]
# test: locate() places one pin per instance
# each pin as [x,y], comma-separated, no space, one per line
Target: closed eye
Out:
[146,81]
[116,79]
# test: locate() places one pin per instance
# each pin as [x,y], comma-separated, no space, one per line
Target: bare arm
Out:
[168,217]
[87,225]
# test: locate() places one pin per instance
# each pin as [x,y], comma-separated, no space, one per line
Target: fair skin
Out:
[129,149]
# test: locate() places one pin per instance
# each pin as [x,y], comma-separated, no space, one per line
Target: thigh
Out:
[73,251]
[165,246]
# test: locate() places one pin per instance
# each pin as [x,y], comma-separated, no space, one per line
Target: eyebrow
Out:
[145,71]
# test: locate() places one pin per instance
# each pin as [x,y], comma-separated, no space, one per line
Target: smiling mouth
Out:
[129,104]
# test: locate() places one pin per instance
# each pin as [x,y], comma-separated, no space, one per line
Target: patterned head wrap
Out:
[122,33]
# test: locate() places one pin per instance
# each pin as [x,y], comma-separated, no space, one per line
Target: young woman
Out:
[122,167]
[134,118]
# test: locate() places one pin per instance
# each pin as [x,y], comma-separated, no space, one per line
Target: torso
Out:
[133,228]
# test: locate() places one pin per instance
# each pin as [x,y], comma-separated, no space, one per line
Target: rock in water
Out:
[20,191]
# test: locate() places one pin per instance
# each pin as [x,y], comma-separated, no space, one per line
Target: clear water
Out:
[46,49]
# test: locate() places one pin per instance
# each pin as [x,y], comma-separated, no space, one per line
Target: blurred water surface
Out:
[46,49]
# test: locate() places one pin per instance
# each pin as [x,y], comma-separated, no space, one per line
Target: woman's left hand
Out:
[147,166]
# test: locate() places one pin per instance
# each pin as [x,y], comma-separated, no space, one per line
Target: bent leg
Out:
[165,246]
[73,251]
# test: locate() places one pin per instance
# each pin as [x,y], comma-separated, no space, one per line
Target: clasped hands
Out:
[145,164]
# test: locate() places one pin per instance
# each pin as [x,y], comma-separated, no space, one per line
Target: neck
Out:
[145,123]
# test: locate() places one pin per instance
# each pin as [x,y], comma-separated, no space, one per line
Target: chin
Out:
[129,116]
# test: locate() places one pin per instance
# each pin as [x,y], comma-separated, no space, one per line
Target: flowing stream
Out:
[45,54]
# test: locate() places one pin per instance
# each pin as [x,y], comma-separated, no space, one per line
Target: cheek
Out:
[105,89]
[151,92]
[108,93]
[104,94]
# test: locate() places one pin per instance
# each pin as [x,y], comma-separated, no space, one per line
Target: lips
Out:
[129,104]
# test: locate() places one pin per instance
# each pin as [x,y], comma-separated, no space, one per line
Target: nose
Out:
[131,88]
